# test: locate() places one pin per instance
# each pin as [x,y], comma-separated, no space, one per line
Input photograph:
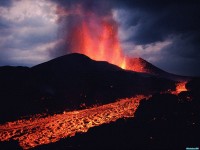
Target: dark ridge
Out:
[66,82]
[76,61]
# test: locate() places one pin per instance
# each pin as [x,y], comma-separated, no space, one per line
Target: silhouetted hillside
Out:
[78,79]
[69,81]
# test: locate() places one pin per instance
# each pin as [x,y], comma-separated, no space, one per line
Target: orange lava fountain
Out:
[97,37]
[37,131]
[99,42]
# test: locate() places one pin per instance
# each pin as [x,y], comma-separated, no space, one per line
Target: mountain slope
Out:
[141,65]
[69,82]
[93,80]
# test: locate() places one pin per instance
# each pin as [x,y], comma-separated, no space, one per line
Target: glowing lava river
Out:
[43,130]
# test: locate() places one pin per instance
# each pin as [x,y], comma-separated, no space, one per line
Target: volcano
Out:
[69,81]
[76,86]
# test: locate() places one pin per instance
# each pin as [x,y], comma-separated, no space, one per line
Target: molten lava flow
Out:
[37,131]
[180,87]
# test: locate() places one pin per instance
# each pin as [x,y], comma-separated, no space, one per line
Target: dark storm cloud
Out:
[178,21]
[182,56]
[100,7]
[160,19]
[5,2]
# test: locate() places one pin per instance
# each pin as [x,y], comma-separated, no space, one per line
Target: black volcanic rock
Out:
[69,81]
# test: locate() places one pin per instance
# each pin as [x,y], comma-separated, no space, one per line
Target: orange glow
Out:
[180,87]
[136,64]
[98,39]
[43,130]
[99,42]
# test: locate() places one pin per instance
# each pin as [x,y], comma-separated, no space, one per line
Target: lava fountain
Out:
[98,39]
[95,35]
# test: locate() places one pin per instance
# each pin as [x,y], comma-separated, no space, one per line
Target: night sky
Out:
[164,32]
